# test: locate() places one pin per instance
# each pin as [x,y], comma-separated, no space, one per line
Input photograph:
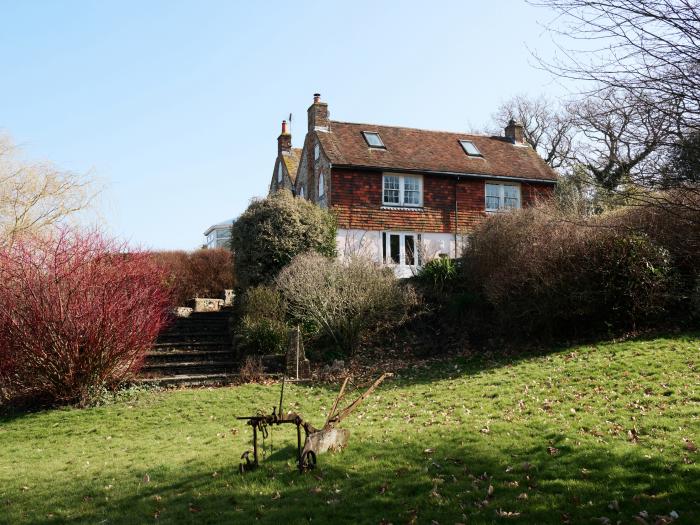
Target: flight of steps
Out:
[193,351]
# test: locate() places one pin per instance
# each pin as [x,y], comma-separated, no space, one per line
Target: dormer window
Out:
[373,139]
[470,148]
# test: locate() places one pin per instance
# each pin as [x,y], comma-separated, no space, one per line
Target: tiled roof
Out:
[291,162]
[434,151]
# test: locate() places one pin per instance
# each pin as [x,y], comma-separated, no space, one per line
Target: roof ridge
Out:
[417,129]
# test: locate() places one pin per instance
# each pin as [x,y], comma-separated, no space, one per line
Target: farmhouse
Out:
[403,196]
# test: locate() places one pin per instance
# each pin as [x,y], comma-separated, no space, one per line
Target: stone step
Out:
[191,380]
[192,345]
[174,356]
[188,367]
[170,337]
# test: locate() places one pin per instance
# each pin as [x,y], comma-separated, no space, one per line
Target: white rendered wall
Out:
[369,244]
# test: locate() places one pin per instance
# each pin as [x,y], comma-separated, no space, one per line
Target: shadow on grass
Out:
[395,482]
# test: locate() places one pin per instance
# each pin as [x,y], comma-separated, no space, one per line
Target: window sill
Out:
[402,208]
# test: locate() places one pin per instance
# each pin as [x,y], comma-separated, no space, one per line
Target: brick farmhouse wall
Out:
[356,199]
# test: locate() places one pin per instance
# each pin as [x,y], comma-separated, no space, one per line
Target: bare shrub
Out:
[77,314]
[252,370]
[344,299]
[543,275]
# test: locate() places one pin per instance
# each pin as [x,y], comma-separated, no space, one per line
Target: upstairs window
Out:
[502,196]
[470,148]
[317,151]
[373,139]
[402,190]
[279,172]
[321,186]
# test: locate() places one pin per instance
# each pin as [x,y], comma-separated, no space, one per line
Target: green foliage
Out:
[273,230]
[574,429]
[438,273]
[263,324]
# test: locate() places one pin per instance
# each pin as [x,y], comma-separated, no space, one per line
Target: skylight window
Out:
[470,148]
[373,139]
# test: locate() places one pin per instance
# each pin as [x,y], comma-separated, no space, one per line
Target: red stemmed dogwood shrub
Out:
[77,314]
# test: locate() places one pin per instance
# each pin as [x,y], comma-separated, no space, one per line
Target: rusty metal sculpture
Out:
[316,441]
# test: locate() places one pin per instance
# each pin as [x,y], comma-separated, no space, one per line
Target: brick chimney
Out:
[515,132]
[284,141]
[318,114]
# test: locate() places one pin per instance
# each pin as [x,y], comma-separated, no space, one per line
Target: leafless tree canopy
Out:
[647,48]
[36,196]
[548,129]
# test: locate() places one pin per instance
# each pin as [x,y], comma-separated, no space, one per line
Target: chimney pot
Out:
[317,98]
[284,127]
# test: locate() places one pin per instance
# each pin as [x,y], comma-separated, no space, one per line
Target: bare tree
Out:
[622,138]
[36,196]
[636,64]
[548,128]
[649,49]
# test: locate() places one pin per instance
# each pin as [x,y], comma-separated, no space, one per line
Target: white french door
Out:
[401,249]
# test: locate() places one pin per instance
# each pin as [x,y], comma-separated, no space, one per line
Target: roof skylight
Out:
[373,139]
[470,148]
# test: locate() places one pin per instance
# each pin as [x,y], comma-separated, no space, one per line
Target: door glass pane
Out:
[391,189]
[493,196]
[409,250]
[394,248]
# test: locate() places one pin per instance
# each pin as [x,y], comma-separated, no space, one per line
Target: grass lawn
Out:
[582,433]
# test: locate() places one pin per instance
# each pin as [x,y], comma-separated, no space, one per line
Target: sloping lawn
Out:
[604,431]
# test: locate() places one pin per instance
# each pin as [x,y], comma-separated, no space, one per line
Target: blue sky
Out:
[176,106]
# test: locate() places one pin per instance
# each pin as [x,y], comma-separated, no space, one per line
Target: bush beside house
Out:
[343,299]
[273,230]
[538,274]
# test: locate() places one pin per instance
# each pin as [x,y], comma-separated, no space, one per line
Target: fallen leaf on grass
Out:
[316,490]
[506,514]
[147,479]
[552,451]
[276,495]
[194,508]
[690,446]
[522,496]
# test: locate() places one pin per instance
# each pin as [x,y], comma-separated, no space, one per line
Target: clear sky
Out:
[176,106]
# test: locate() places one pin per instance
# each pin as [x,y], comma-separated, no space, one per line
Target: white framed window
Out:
[401,249]
[502,196]
[317,151]
[321,186]
[279,172]
[402,190]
